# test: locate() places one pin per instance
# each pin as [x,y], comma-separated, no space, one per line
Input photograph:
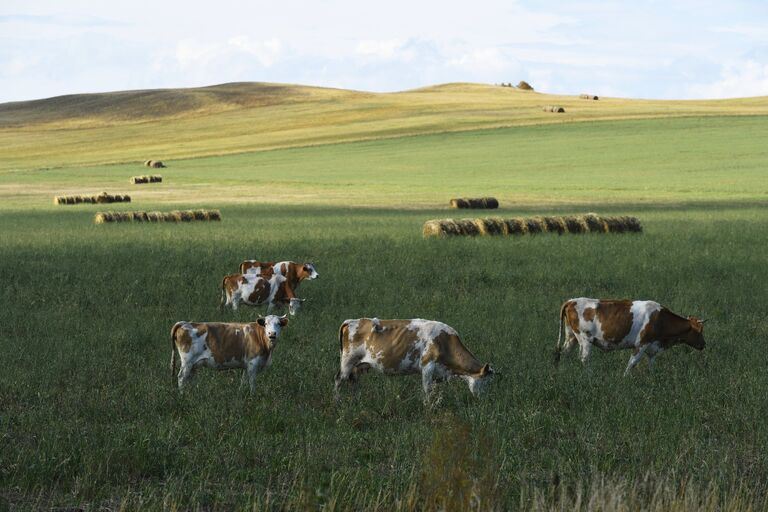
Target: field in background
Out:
[134,126]
[89,413]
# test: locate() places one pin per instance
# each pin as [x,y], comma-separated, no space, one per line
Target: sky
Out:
[641,49]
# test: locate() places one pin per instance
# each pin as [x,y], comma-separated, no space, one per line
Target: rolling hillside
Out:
[233,118]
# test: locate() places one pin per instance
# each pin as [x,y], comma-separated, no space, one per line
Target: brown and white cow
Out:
[224,346]
[294,272]
[400,347]
[257,290]
[645,326]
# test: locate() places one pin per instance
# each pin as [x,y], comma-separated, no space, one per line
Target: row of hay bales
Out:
[576,224]
[174,216]
[487,203]
[553,108]
[155,164]
[588,97]
[154,178]
[97,199]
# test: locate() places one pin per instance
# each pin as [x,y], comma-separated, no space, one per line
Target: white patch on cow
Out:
[352,326]
[278,267]
[272,326]
[312,272]
[641,314]
[254,270]
[428,330]
[245,289]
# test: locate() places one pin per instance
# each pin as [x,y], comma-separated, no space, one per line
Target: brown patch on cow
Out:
[260,291]
[589,314]
[451,353]
[266,269]
[572,316]
[183,339]
[238,341]
[615,318]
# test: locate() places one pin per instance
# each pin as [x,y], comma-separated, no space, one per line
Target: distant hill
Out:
[240,117]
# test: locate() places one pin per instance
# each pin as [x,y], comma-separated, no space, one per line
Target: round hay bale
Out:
[459,203]
[575,225]
[157,164]
[139,216]
[214,215]
[174,216]
[154,216]
[594,223]
[79,199]
[467,227]
[553,108]
[431,228]
[515,226]
[449,227]
[534,225]
[491,227]
[103,217]
[525,86]
[147,163]
[554,225]
[155,178]
[588,97]
[187,215]
[103,198]
[200,214]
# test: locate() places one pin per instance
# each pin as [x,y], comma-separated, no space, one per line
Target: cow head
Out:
[695,337]
[479,381]
[294,305]
[308,271]
[272,325]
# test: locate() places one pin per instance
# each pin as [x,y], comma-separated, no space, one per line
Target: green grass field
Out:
[90,415]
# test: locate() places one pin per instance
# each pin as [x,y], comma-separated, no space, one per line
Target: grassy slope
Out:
[643,162]
[233,118]
[90,414]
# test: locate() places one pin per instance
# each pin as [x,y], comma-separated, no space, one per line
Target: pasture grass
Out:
[90,415]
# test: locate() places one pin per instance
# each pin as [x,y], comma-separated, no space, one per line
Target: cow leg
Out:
[584,349]
[346,372]
[652,352]
[253,369]
[638,355]
[428,380]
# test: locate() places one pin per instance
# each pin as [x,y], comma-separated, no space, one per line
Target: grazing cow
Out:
[294,272]
[225,346]
[643,325]
[257,290]
[399,347]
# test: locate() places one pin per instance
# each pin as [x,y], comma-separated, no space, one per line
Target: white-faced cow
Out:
[225,346]
[401,347]
[257,290]
[645,326]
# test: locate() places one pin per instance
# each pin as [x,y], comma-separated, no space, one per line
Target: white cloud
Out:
[483,59]
[739,79]
[385,49]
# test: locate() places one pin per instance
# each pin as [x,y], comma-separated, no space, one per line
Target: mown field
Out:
[89,412]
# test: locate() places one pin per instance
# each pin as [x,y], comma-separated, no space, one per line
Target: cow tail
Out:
[341,336]
[173,347]
[223,293]
[560,333]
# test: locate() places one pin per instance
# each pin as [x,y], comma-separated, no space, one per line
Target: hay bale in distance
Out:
[137,180]
[575,224]
[174,216]
[488,203]
[156,164]
[101,198]
[588,97]
[553,108]
[525,86]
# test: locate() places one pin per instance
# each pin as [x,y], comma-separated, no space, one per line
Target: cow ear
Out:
[283,321]
[260,321]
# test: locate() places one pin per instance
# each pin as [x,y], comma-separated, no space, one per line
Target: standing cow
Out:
[225,346]
[401,347]
[257,290]
[294,272]
[645,326]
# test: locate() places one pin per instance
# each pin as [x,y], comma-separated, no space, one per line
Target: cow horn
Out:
[702,321]
[284,316]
